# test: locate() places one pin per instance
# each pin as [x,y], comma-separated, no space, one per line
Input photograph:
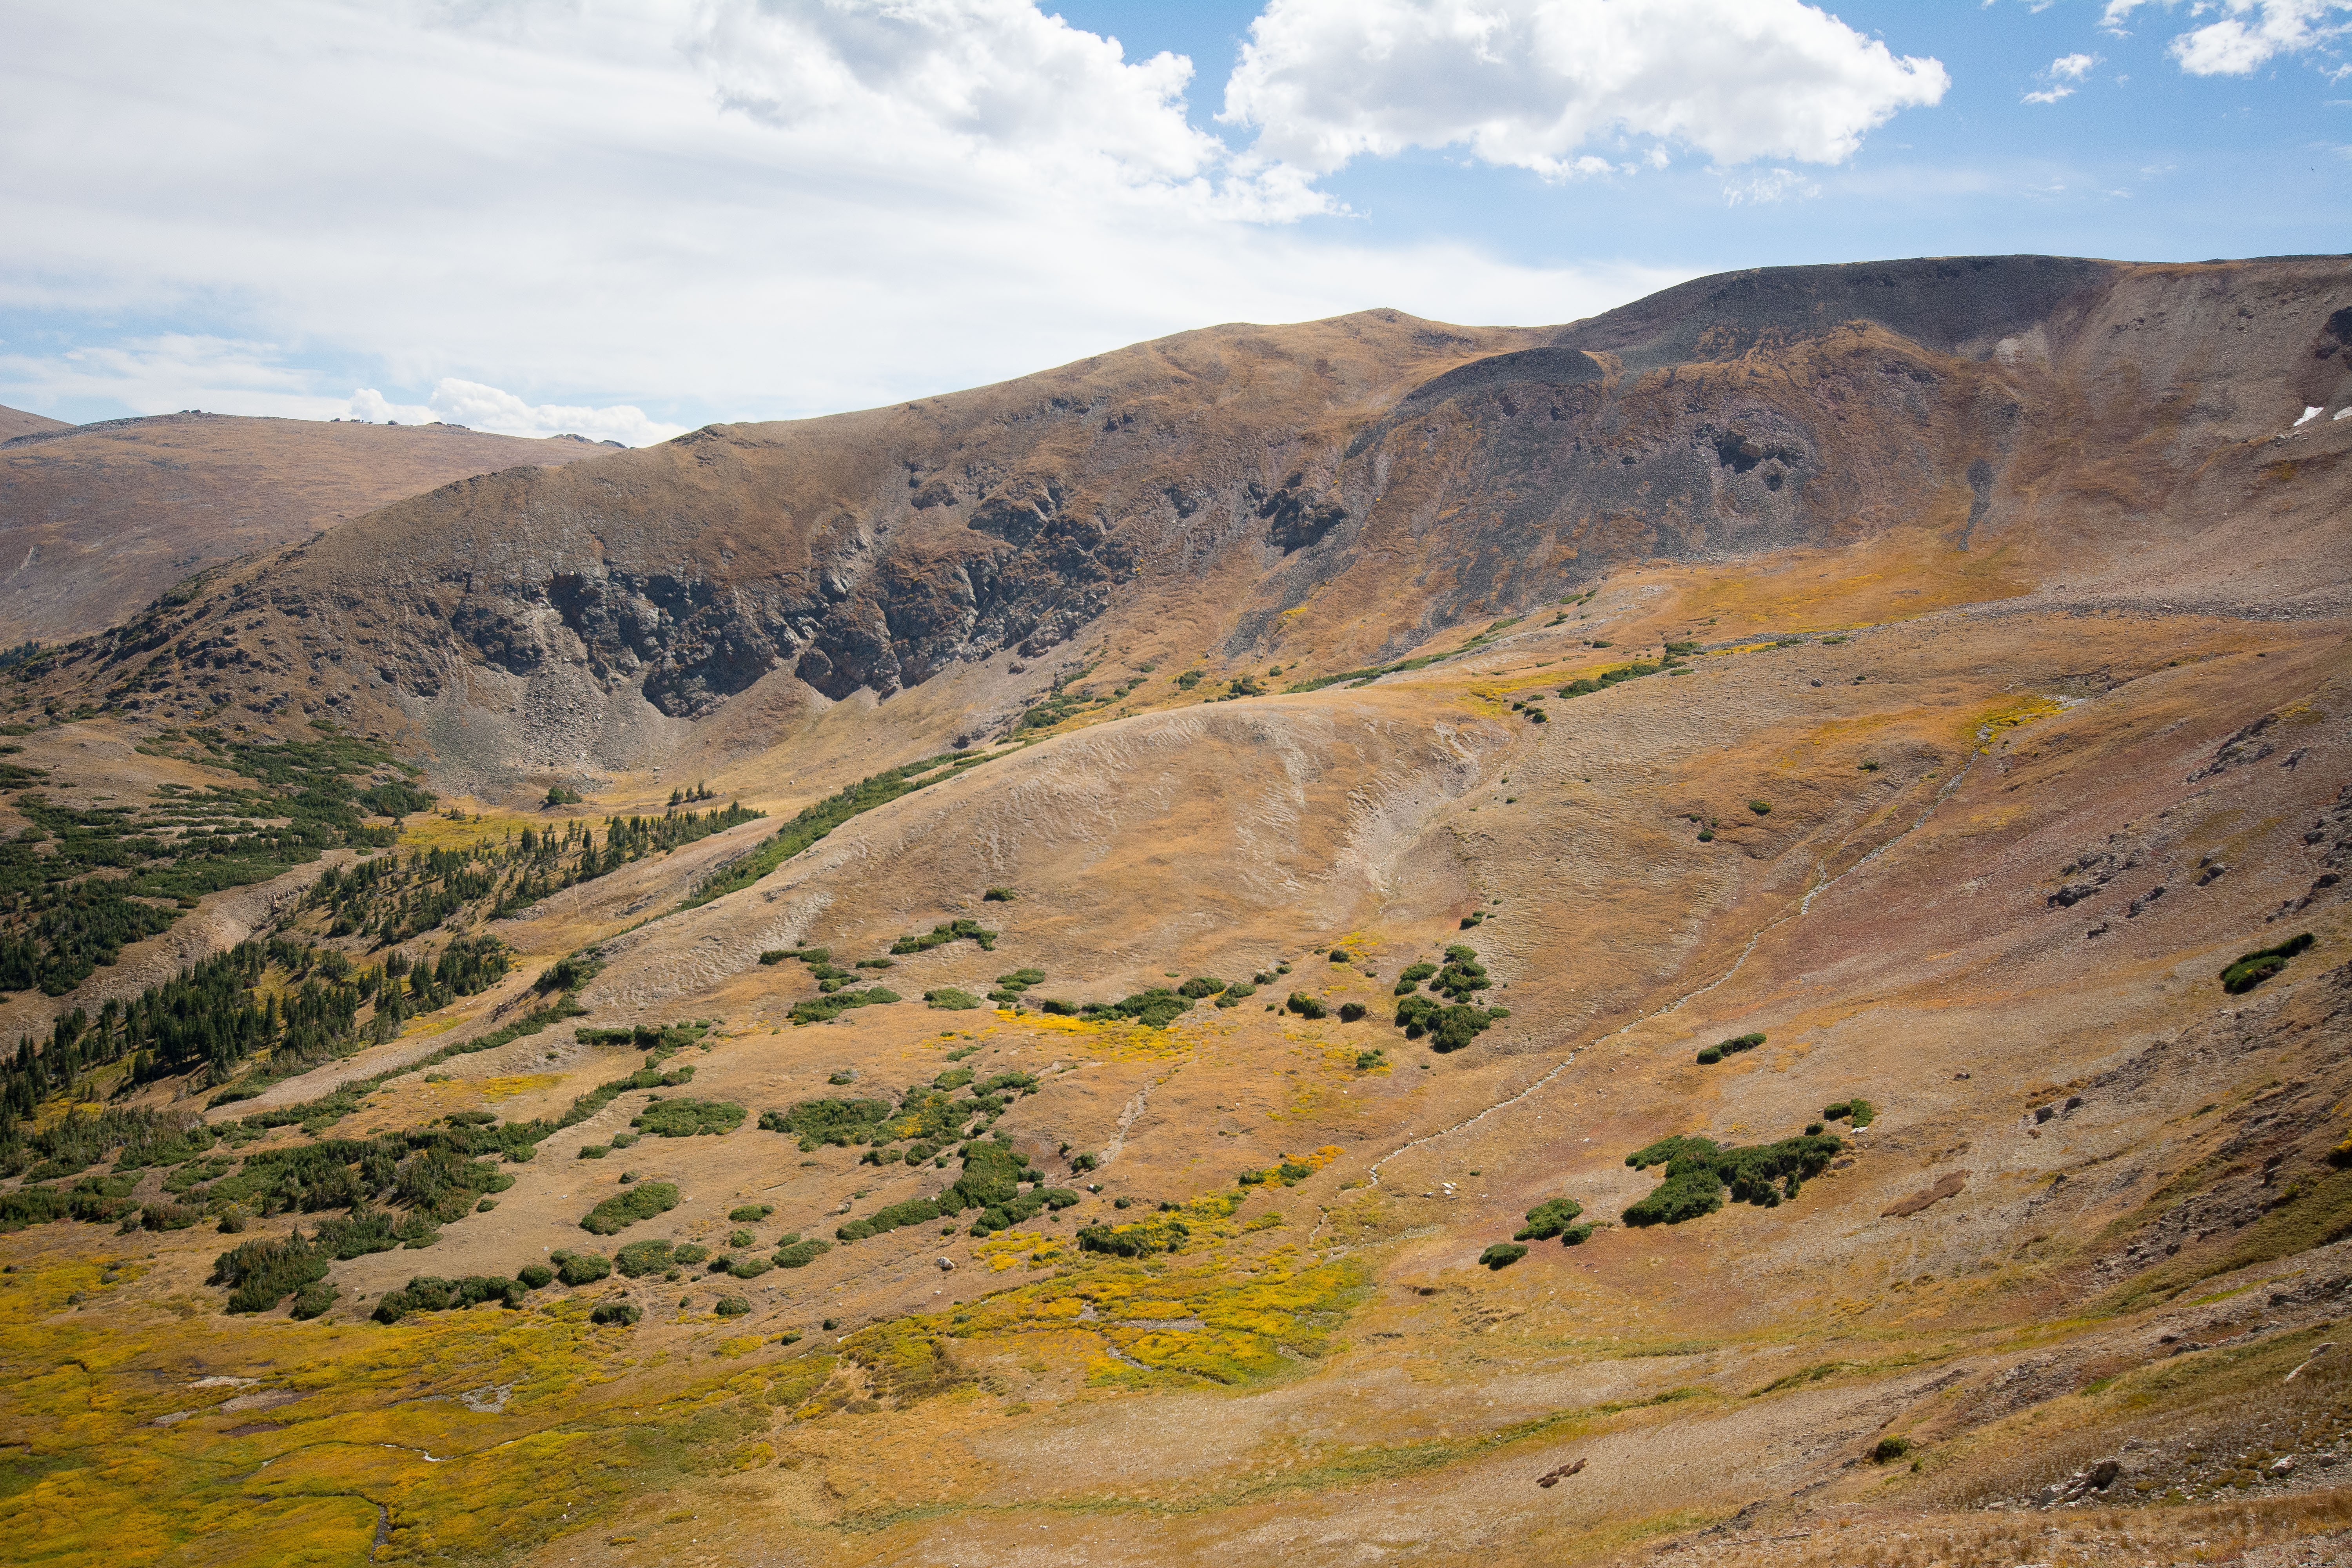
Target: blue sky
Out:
[631,219]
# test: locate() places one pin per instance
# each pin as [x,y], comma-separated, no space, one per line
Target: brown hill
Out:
[1828,785]
[1320,497]
[16,422]
[98,519]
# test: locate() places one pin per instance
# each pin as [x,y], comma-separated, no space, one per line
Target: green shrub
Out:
[840,1122]
[593,1151]
[998,896]
[1351,1012]
[619,1212]
[749,1267]
[1761,808]
[1462,977]
[1889,1449]
[1235,995]
[687,1254]
[642,1258]
[731,1306]
[914,1211]
[1722,1048]
[2250,969]
[1502,1255]
[1415,974]
[948,998]
[751,1214]
[579,1268]
[774,955]
[1858,1109]
[1306,1006]
[1698,1170]
[823,1009]
[311,1301]
[688,1117]
[1549,1219]
[1157,1007]
[1201,986]
[801,1254]
[262,1273]
[948,931]
[535,1276]
[619,1312]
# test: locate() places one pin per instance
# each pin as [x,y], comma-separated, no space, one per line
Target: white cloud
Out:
[622,216]
[2247,34]
[480,407]
[2256,31]
[1528,83]
[1768,185]
[165,373]
[2064,73]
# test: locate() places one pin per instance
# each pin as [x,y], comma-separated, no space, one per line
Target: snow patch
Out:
[2308,415]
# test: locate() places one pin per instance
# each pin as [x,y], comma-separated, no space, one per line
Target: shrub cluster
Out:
[1010,987]
[940,935]
[430,1293]
[1698,1170]
[688,1117]
[840,1122]
[825,1009]
[1555,1217]
[1449,1028]
[1733,1046]
[622,1210]
[950,999]
[1860,1111]
[1235,995]
[1157,1007]
[2250,969]
[1502,1255]
[1306,1006]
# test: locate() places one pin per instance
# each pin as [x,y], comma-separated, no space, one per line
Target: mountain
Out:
[922,986]
[98,519]
[16,422]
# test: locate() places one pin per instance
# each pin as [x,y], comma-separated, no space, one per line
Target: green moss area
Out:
[1698,1170]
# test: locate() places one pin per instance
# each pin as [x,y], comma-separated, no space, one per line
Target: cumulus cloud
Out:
[1528,83]
[2248,34]
[2256,31]
[2064,72]
[619,216]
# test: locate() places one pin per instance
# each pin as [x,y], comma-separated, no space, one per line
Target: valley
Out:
[921,986]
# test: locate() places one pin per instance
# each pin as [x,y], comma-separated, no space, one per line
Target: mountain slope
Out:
[1324,496]
[16,422]
[98,519]
[1903,912]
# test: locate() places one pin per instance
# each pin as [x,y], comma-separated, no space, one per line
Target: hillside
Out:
[98,519]
[921,986]
[16,422]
